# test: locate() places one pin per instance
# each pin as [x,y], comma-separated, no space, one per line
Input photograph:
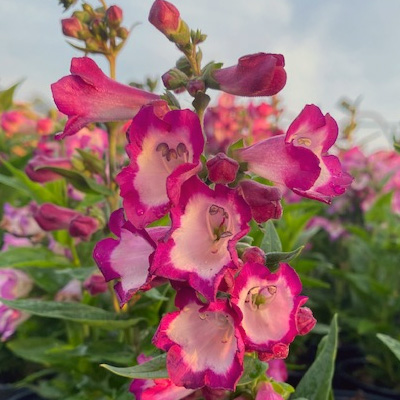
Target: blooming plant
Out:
[204,299]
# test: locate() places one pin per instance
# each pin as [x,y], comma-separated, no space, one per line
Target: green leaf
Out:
[12,182]
[393,344]
[271,242]
[253,368]
[274,258]
[92,162]
[317,381]
[47,278]
[31,257]
[38,192]
[6,97]
[397,147]
[80,181]
[153,369]
[235,146]
[71,312]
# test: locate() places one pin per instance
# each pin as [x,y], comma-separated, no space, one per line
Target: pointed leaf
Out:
[275,257]
[71,312]
[153,369]
[271,241]
[317,381]
[393,344]
[6,97]
[253,368]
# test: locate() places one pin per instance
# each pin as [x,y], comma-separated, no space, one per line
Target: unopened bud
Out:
[41,175]
[71,27]
[254,254]
[222,169]
[122,33]
[95,284]
[194,86]
[83,227]
[114,16]
[264,201]
[174,79]
[305,320]
[52,218]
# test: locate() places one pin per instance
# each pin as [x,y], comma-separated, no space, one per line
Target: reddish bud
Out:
[174,79]
[71,27]
[253,255]
[114,16]
[83,226]
[264,201]
[222,169]
[45,175]
[305,320]
[279,351]
[95,284]
[45,126]
[52,218]
[195,86]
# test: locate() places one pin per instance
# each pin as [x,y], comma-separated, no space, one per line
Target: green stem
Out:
[74,253]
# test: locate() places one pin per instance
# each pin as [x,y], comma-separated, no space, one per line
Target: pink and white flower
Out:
[206,226]
[88,95]
[300,159]
[269,303]
[203,342]
[13,285]
[164,153]
[127,260]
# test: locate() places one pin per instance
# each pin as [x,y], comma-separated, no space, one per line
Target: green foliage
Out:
[253,369]
[6,97]
[317,382]
[391,343]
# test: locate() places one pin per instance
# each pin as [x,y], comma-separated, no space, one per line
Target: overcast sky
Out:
[332,48]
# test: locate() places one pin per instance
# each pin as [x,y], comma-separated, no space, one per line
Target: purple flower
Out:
[127,259]
[206,226]
[203,342]
[163,153]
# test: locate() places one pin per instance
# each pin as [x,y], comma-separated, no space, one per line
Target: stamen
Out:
[181,149]
[304,141]
[225,235]
[163,147]
[172,154]
[213,209]
[203,316]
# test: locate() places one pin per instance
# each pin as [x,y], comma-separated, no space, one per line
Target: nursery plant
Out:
[140,254]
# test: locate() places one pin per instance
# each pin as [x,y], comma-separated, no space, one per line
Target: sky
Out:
[332,48]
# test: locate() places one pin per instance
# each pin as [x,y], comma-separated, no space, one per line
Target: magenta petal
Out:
[269,303]
[206,226]
[211,328]
[88,95]
[163,153]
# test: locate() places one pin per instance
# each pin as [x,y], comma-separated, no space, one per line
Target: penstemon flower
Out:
[127,259]
[214,329]
[164,153]
[269,303]
[206,226]
[88,95]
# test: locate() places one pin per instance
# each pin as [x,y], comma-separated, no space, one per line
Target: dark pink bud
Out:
[95,284]
[258,74]
[264,201]
[279,351]
[222,169]
[45,175]
[71,27]
[305,320]
[52,218]
[83,227]
[114,16]
[195,86]
[165,17]
[254,255]
[44,126]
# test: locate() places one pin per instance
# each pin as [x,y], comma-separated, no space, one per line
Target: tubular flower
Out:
[127,259]
[206,226]
[88,95]
[213,328]
[37,172]
[163,153]
[317,132]
[299,159]
[259,74]
[269,303]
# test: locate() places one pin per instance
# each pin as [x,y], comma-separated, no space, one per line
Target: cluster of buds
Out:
[100,29]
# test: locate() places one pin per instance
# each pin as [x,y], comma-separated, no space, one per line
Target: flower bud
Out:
[45,126]
[83,227]
[122,33]
[166,18]
[71,292]
[253,254]
[305,320]
[95,284]
[71,27]
[222,169]
[52,218]
[45,175]
[264,201]
[174,79]
[114,16]
[194,86]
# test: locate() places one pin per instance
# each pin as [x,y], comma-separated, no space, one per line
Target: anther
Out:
[181,149]
[164,148]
